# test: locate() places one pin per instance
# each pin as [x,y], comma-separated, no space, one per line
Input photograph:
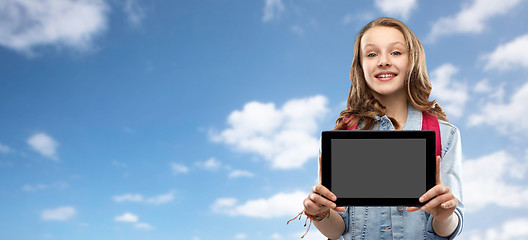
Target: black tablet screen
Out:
[378,168]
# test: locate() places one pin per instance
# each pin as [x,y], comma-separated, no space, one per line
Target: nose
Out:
[384,60]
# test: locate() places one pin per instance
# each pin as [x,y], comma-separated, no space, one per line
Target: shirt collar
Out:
[414,119]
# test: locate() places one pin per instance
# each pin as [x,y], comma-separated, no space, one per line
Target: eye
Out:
[396,53]
[371,55]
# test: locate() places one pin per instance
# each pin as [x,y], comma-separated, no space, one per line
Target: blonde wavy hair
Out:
[361,103]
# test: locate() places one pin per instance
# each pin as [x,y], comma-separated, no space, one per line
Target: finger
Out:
[320,169]
[450,204]
[316,198]
[312,208]
[412,209]
[437,201]
[433,192]
[309,205]
[438,176]
[323,191]
[340,209]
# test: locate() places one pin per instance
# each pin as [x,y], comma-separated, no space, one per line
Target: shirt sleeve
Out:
[451,175]
[345,215]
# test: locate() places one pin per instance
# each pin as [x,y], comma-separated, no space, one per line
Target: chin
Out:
[384,92]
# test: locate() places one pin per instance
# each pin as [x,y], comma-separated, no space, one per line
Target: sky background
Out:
[200,120]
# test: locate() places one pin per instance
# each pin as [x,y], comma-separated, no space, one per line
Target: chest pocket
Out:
[385,223]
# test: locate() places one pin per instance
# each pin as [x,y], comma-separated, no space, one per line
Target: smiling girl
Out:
[390,91]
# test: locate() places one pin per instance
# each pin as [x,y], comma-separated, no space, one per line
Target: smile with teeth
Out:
[386,75]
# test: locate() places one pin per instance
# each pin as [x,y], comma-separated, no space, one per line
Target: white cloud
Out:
[491,92]
[284,137]
[210,164]
[483,86]
[451,94]
[223,202]
[240,236]
[401,8]
[159,199]
[348,18]
[240,173]
[44,144]
[162,198]
[472,18]
[126,217]
[31,23]
[131,218]
[40,186]
[486,182]
[4,148]
[134,12]
[272,10]
[511,230]
[276,236]
[509,55]
[179,168]
[142,226]
[58,214]
[504,116]
[279,205]
[128,198]
[33,188]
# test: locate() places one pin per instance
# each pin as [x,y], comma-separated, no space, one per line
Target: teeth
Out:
[386,75]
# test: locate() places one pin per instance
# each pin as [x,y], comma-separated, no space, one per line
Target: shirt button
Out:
[400,208]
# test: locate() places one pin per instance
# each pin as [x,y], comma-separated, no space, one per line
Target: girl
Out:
[390,91]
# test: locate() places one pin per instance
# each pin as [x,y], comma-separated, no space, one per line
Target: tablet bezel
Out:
[326,163]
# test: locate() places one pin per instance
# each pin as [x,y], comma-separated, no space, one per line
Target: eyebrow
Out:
[391,44]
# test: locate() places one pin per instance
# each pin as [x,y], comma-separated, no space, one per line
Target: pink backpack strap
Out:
[430,122]
[354,126]
[347,120]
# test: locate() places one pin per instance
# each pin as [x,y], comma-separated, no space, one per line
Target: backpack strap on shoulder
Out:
[347,121]
[430,122]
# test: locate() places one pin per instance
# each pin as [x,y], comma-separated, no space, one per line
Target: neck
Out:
[396,107]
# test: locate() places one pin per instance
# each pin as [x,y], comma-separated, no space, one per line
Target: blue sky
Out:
[200,119]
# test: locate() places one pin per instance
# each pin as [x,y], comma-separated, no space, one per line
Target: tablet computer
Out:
[378,168]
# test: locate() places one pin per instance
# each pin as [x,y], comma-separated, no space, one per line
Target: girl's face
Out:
[384,59]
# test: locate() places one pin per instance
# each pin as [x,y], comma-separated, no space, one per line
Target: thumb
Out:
[438,177]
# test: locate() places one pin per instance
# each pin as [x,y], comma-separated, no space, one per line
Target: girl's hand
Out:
[443,203]
[320,200]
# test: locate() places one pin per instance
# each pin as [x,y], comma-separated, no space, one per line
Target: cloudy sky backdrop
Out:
[200,119]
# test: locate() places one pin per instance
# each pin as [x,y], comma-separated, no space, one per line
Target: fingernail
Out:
[421,199]
[334,198]
[333,205]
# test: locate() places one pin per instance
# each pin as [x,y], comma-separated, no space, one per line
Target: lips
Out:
[385,76]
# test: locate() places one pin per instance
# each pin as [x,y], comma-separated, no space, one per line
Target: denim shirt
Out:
[396,222]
